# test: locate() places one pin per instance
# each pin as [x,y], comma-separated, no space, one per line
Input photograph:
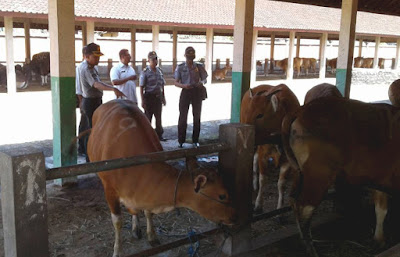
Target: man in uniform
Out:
[92,87]
[123,76]
[151,84]
[190,76]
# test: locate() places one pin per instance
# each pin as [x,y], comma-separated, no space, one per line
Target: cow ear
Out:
[199,182]
[275,102]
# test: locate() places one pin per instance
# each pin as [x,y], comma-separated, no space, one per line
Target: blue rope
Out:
[194,243]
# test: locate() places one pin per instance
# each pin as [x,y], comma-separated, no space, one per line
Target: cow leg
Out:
[116,217]
[308,190]
[255,171]
[117,223]
[283,174]
[262,179]
[151,234]
[380,200]
[136,232]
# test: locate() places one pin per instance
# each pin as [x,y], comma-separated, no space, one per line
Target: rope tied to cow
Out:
[194,243]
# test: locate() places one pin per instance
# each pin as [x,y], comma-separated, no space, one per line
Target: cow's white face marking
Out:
[126,124]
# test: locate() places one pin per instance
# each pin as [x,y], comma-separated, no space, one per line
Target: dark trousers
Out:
[82,127]
[189,96]
[154,107]
[89,105]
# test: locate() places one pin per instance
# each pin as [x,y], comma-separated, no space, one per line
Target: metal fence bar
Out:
[93,167]
[174,244]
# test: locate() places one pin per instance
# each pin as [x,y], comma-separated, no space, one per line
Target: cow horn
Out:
[250,93]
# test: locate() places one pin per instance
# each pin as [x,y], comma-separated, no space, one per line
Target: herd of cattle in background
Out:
[39,68]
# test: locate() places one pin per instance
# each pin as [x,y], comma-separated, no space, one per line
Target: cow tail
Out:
[72,147]
[286,127]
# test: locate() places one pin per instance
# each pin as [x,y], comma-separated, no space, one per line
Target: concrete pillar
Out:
[209,51]
[174,49]
[346,46]
[322,58]
[298,46]
[156,37]
[289,73]
[27,27]
[228,62]
[11,78]
[397,62]
[272,50]
[24,205]
[376,55]
[144,61]
[62,61]
[236,166]
[360,43]
[253,58]
[242,48]
[84,34]
[89,32]
[133,47]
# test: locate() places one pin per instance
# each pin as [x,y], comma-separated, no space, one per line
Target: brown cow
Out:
[40,65]
[368,63]
[358,62]
[297,64]
[120,130]
[394,93]
[219,74]
[332,63]
[333,138]
[309,63]
[264,107]
[322,90]
[283,64]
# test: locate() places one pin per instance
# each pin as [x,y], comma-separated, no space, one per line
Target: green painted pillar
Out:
[62,61]
[346,46]
[242,51]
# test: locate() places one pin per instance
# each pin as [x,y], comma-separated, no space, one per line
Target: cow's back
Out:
[119,130]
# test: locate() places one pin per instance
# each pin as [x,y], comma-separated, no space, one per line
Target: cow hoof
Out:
[154,242]
[137,234]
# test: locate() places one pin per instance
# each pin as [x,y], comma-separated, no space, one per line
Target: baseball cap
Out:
[94,49]
[190,51]
[152,55]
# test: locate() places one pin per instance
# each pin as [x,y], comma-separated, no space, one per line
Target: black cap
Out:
[152,55]
[190,51]
[94,49]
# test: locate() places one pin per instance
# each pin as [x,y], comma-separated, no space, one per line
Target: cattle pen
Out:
[235,146]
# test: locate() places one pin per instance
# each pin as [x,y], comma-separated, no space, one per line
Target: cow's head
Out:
[211,199]
[266,109]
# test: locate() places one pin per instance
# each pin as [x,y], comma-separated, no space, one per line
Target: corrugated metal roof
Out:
[268,14]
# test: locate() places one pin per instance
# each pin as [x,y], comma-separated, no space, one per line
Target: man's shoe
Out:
[162,139]
[180,145]
[195,145]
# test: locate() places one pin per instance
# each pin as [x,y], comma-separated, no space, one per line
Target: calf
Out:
[219,74]
[120,130]
[335,138]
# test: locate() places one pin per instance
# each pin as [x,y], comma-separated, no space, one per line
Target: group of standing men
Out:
[189,75]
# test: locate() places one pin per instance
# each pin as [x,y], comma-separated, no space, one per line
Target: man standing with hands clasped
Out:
[151,84]
[190,76]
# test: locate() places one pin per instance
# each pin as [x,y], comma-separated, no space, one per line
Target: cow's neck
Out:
[185,190]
